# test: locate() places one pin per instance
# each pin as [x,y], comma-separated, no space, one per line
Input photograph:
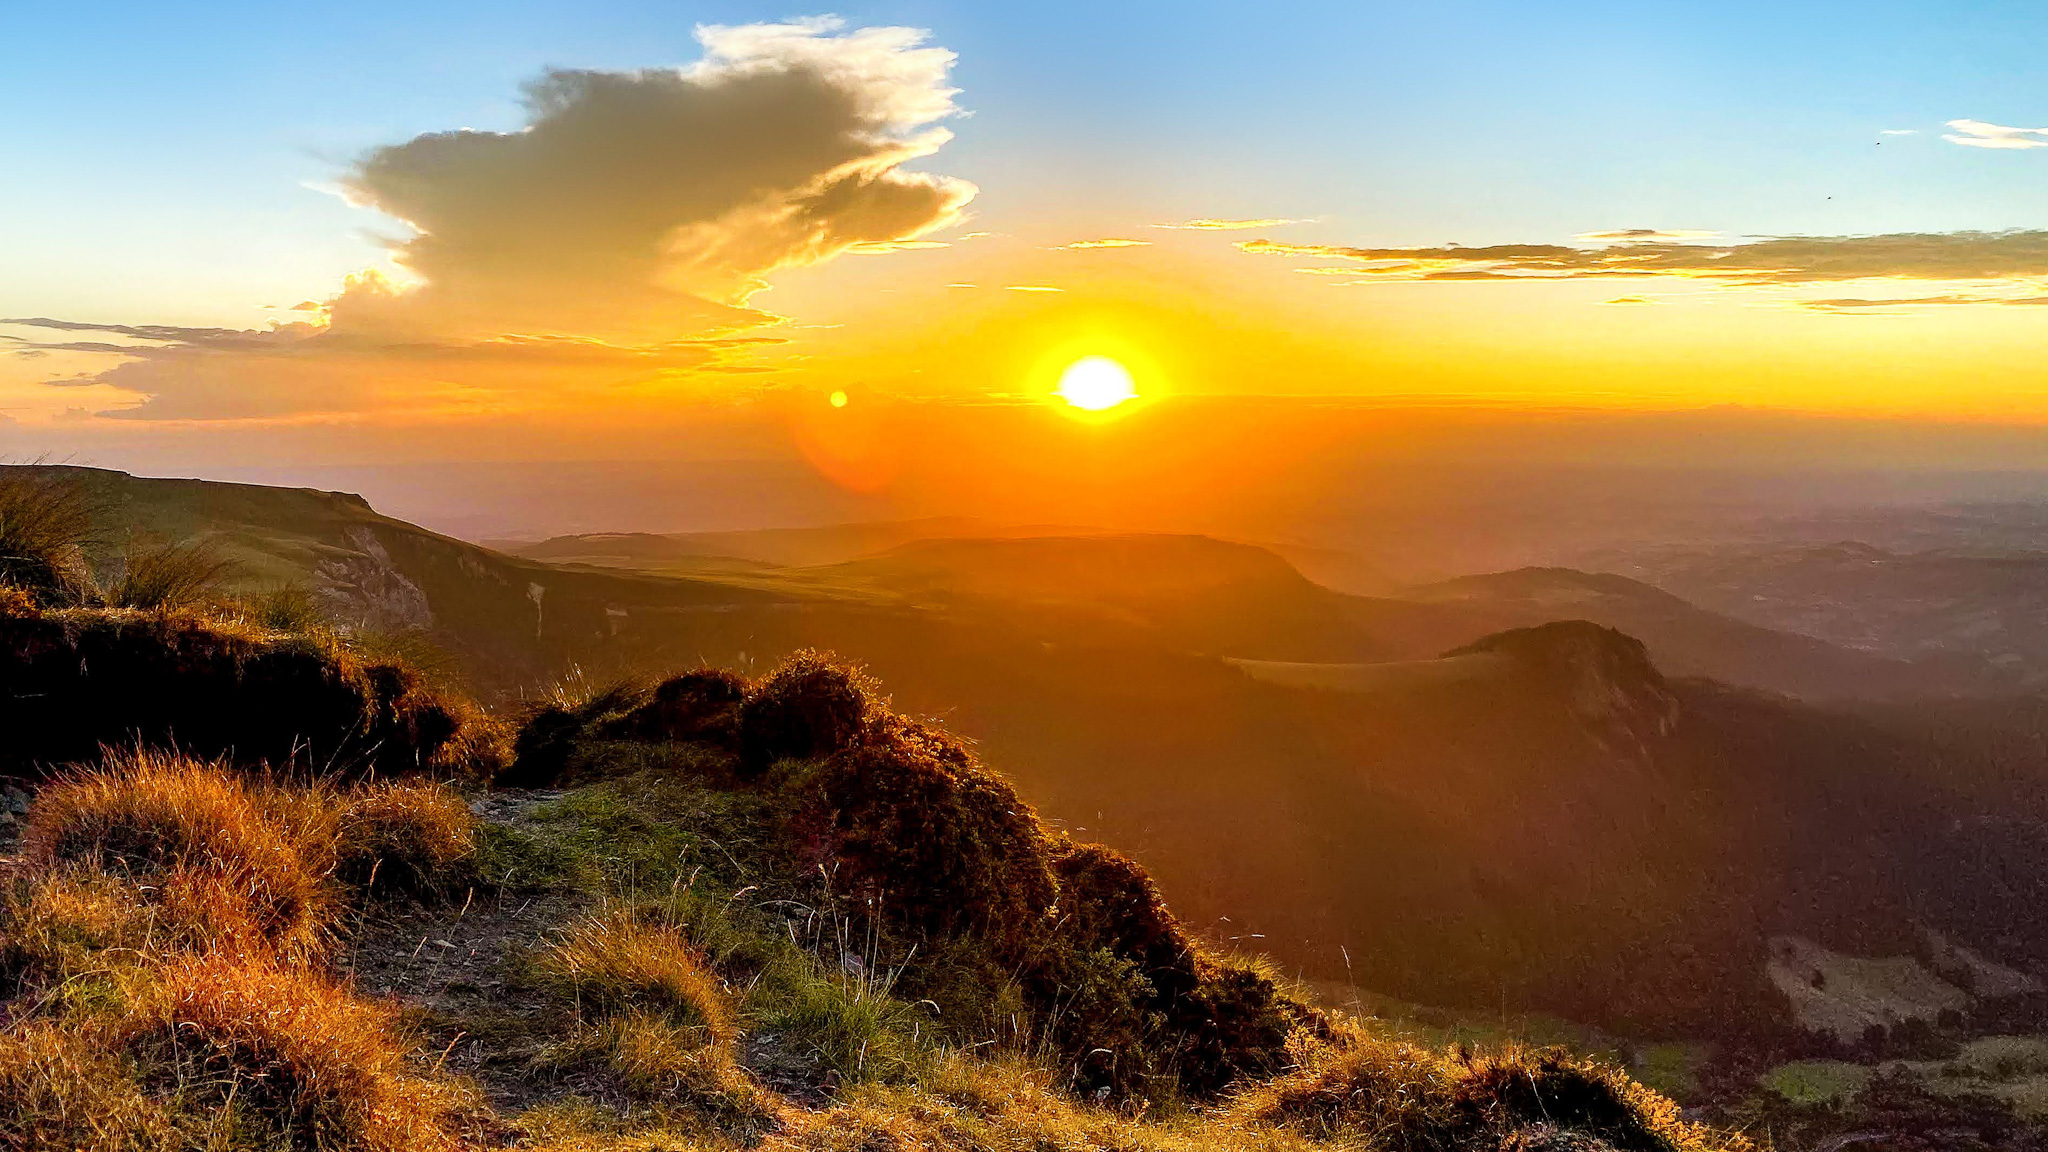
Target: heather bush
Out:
[810,706]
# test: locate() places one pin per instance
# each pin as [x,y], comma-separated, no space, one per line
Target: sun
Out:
[1096,383]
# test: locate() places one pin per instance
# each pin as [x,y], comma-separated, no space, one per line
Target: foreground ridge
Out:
[703,913]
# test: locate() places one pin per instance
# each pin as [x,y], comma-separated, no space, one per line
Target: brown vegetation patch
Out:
[1399,1096]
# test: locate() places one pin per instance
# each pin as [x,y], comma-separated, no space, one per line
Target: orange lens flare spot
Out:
[1096,384]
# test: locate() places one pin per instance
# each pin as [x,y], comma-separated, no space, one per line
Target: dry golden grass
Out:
[63,1090]
[967,1103]
[613,964]
[673,1068]
[410,837]
[205,843]
[290,1052]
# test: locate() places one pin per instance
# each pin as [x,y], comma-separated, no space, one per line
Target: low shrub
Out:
[810,706]
[549,734]
[909,824]
[292,1054]
[198,837]
[72,681]
[698,706]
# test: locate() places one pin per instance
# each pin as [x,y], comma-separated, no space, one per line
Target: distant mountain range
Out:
[1477,792]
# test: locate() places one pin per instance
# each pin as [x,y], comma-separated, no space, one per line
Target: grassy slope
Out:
[192,956]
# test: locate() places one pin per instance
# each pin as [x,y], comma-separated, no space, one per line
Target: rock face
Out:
[366,587]
[1846,996]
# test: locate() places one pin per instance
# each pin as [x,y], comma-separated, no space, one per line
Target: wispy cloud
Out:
[1212,225]
[1898,132]
[1031,288]
[1871,306]
[1978,134]
[1629,300]
[884,247]
[1636,235]
[1772,260]
[1106,242]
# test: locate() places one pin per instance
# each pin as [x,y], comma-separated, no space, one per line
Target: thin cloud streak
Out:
[1978,134]
[1776,260]
[1214,225]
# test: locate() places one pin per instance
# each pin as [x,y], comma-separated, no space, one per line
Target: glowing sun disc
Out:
[1096,383]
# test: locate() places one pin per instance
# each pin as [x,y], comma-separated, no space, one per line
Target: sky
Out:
[870,240]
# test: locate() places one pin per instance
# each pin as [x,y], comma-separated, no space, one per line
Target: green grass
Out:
[1817,1081]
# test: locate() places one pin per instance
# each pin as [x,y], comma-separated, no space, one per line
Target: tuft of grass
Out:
[286,607]
[413,838]
[197,836]
[64,1090]
[290,1054]
[660,1063]
[47,519]
[156,575]
[613,963]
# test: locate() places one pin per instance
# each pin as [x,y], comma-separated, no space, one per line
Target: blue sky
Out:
[159,156]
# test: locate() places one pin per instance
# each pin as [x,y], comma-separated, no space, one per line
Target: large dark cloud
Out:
[633,205]
[1775,260]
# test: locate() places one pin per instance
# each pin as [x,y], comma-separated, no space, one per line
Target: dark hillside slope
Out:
[1189,593]
[1557,825]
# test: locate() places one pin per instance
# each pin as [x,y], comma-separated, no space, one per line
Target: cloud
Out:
[1031,288]
[1898,132]
[633,205]
[1978,134]
[1637,235]
[1212,225]
[632,216]
[1866,306]
[1631,300]
[1772,260]
[1106,242]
